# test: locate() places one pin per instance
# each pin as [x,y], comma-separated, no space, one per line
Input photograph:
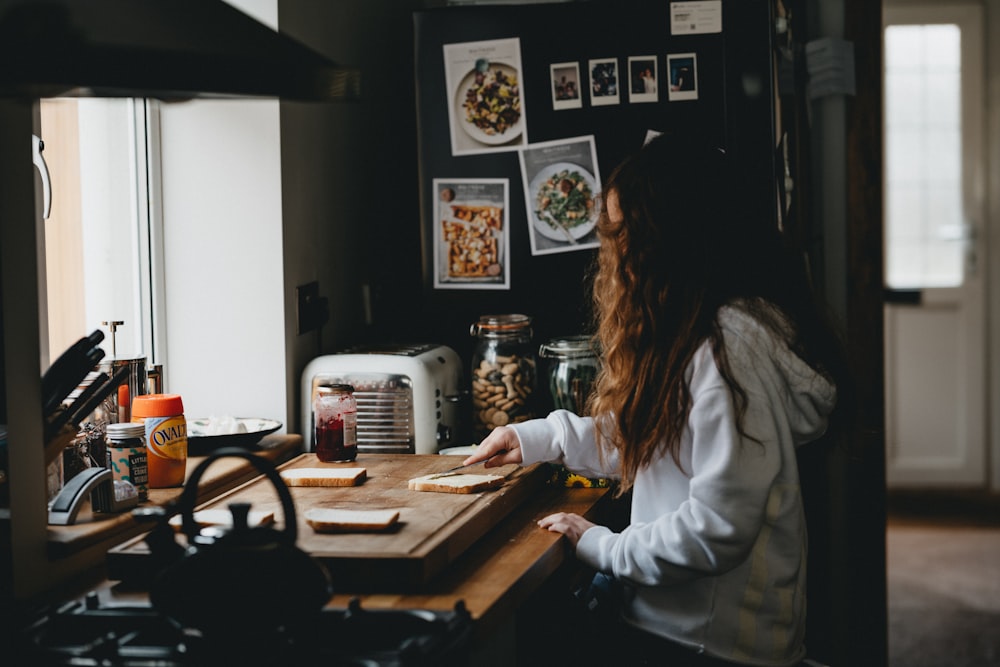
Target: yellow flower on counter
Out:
[563,477]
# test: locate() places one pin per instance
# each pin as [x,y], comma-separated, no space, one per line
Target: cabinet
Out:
[24,521]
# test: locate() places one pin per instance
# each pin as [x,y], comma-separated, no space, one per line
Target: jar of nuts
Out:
[503,372]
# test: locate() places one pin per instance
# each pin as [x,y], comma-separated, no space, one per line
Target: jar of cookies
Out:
[503,372]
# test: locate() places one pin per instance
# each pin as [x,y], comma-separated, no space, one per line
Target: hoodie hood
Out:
[807,396]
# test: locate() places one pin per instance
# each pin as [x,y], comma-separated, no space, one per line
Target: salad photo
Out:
[563,204]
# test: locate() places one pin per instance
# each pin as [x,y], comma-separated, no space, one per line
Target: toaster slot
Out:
[385,420]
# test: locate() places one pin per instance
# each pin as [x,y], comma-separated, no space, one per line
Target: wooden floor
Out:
[943,556]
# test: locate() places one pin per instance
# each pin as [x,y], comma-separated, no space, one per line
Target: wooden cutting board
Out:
[433,530]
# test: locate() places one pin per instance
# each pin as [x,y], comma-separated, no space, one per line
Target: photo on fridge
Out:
[604,88]
[562,186]
[642,76]
[471,237]
[565,86]
[486,109]
[683,71]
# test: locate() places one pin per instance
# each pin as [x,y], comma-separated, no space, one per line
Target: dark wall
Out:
[553,288]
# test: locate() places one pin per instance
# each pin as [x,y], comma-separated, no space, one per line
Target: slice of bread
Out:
[221,516]
[329,520]
[456,483]
[324,476]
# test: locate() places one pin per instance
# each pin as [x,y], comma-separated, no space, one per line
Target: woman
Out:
[716,366]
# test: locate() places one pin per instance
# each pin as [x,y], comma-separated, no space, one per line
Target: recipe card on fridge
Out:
[485,96]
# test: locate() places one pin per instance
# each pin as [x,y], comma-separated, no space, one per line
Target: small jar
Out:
[572,364]
[335,423]
[127,457]
[503,372]
[166,437]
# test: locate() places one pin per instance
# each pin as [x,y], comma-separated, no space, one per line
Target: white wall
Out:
[221,183]
[260,197]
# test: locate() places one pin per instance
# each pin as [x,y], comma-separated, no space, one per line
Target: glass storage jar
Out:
[335,418]
[503,372]
[571,366]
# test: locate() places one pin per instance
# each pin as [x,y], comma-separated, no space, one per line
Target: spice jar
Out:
[572,365]
[335,420]
[503,372]
[127,457]
[166,437]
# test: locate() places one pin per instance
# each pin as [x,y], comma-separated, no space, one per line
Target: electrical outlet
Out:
[307,308]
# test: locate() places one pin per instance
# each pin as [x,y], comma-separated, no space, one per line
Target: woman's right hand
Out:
[502,442]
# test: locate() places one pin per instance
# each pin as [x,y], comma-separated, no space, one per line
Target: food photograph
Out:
[486,106]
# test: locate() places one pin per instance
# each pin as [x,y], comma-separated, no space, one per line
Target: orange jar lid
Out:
[157,405]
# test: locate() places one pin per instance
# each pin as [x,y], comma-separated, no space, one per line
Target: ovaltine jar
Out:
[503,372]
[166,437]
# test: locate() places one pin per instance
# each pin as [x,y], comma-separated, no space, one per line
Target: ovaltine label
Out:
[166,442]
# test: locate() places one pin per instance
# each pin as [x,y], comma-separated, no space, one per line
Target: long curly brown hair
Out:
[688,242]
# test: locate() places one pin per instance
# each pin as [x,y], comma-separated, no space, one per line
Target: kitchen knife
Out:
[62,417]
[68,369]
[80,409]
[456,469]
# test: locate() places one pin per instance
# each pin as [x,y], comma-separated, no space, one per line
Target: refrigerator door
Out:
[586,95]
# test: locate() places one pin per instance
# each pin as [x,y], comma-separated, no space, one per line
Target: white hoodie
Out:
[715,554]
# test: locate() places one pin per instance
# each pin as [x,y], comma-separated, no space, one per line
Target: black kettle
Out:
[241,581]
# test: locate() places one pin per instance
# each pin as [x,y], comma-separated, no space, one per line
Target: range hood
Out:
[166,49]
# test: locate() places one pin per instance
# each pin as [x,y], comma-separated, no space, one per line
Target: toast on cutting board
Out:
[331,520]
[324,476]
[462,482]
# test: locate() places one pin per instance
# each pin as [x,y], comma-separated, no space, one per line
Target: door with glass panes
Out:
[935,354]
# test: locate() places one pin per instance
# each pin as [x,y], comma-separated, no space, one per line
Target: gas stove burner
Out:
[87,633]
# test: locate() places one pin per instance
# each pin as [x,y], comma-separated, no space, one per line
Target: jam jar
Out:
[335,423]
[571,366]
[503,372]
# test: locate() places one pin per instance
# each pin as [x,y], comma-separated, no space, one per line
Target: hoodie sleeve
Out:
[566,438]
[714,527]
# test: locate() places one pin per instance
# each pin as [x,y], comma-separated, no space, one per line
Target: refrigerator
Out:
[513,100]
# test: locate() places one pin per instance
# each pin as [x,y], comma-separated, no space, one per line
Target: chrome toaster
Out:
[409,396]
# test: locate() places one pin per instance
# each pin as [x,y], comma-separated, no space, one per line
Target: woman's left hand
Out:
[572,526]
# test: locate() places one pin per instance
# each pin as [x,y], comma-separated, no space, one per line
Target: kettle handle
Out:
[189,496]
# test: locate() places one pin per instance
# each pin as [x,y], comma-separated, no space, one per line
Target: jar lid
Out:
[157,405]
[500,324]
[126,430]
[570,347]
[335,389]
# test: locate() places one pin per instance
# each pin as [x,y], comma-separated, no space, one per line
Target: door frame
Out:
[991,229]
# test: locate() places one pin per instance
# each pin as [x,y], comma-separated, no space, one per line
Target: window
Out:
[924,219]
[100,235]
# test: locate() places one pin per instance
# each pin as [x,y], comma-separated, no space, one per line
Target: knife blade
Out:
[456,469]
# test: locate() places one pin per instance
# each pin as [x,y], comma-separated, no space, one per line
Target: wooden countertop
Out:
[105,530]
[432,531]
[505,567]
[495,575]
